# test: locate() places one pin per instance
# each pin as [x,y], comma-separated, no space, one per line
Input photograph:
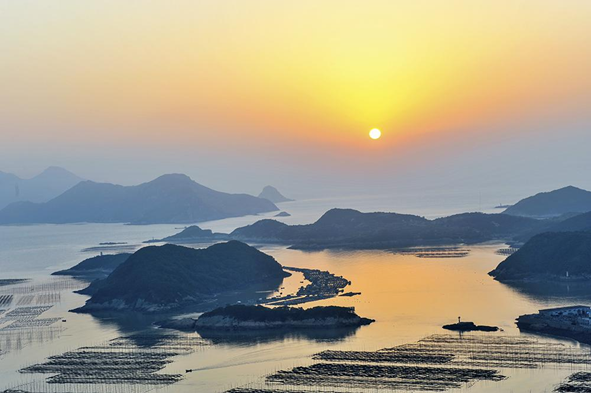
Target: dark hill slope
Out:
[167,199]
[581,222]
[549,256]
[160,278]
[554,203]
[564,223]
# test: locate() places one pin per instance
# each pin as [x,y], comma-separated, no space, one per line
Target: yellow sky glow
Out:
[308,71]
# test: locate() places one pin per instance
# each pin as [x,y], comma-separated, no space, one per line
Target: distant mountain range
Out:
[173,198]
[549,256]
[45,186]
[272,194]
[351,229]
[552,204]
[345,228]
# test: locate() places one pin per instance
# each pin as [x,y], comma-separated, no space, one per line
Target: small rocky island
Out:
[470,327]
[260,318]
[169,277]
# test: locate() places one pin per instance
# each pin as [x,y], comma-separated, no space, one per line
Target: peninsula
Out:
[96,267]
[569,321]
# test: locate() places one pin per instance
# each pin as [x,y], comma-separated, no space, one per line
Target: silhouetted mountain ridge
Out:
[554,203]
[173,198]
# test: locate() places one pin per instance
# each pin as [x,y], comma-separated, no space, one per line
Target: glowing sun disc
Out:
[375,134]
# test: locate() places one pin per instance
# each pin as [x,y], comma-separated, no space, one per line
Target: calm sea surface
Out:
[409,297]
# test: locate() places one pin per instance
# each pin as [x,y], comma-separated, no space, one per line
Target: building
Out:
[569,311]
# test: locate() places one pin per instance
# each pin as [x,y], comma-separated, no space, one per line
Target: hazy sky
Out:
[238,94]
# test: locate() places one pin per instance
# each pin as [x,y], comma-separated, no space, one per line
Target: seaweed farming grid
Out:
[22,303]
[53,285]
[16,339]
[124,362]
[435,363]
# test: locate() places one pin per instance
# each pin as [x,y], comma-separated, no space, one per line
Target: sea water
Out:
[409,297]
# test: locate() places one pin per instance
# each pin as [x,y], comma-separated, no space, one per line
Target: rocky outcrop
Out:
[270,193]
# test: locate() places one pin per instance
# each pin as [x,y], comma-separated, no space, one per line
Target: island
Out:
[97,267]
[351,229]
[192,234]
[260,318]
[283,214]
[172,198]
[551,256]
[272,194]
[168,277]
[552,204]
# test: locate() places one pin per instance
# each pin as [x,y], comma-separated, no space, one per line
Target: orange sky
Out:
[301,74]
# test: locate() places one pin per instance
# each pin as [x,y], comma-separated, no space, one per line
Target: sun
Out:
[375,134]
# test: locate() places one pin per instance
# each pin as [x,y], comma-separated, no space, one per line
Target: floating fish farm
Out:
[435,252]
